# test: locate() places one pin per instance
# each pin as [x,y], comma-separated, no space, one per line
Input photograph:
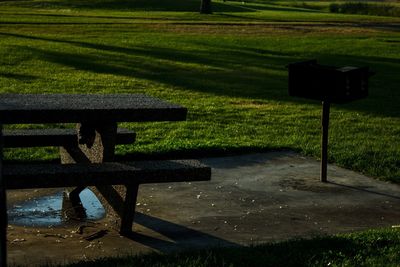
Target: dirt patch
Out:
[259,29]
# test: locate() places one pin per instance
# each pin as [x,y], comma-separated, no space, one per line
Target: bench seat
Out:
[116,184]
[54,137]
[47,175]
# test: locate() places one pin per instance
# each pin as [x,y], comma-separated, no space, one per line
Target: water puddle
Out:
[47,210]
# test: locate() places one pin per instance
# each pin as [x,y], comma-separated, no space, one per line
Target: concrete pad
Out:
[251,199]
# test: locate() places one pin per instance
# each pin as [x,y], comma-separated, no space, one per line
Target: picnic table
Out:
[90,160]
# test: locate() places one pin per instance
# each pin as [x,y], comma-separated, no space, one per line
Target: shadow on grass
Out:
[224,75]
[371,248]
[181,237]
[320,251]
[131,5]
[152,5]
[15,76]
[219,69]
[57,15]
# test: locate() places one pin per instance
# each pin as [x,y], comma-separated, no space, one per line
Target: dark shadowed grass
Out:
[365,8]
[120,5]
[370,248]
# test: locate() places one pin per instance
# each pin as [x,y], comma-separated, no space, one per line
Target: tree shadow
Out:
[131,5]
[229,70]
[15,76]
[153,5]
[80,15]
[179,237]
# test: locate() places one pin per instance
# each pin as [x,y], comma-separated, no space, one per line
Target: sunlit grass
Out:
[228,69]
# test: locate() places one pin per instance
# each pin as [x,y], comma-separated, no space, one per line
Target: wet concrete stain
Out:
[47,210]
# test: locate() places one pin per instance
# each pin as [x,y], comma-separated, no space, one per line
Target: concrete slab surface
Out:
[251,199]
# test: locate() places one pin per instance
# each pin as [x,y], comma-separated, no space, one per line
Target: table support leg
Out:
[72,207]
[324,140]
[3,210]
[118,201]
[88,149]
[122,200]
[129,209]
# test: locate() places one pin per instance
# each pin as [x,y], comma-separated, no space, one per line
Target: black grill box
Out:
[311,80]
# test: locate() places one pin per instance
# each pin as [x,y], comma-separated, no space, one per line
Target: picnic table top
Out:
[66,108]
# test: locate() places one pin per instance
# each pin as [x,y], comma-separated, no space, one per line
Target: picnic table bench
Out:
[54,137]
[87,153]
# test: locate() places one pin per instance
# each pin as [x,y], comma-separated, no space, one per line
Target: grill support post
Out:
[324,140]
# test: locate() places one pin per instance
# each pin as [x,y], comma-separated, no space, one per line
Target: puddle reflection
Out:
[47,210]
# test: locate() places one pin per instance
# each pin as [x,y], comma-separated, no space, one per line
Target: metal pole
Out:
[324,140]
[3,209]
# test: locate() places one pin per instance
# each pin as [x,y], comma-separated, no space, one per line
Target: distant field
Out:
[389,8]
[227,68]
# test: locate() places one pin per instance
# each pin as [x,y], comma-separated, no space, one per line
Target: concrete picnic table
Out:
[96,116]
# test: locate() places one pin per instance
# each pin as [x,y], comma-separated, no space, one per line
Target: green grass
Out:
[370,248]
[228,69]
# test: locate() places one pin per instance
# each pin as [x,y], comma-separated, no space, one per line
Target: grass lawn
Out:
[370,248]
[228,69]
